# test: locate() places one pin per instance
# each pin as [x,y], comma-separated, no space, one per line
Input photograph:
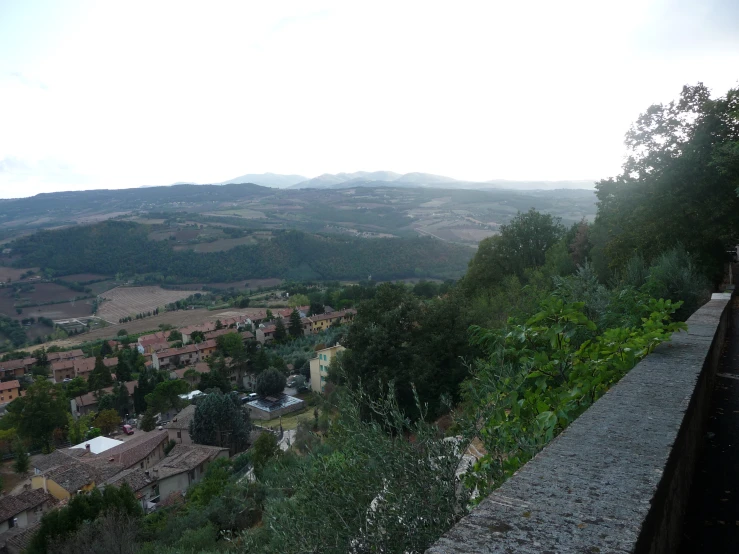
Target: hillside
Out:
[125,247]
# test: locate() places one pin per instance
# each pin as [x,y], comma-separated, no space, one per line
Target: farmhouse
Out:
[324,321]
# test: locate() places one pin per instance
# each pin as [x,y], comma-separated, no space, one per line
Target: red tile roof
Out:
[7,385]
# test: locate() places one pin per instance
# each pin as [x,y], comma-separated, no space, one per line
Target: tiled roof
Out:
[7,385]
[153,338]
[13,505]
[183,418]
[185,458]
[17,364]
[135,477]
[133,451]
[61,365]
[22,539]
[71,355]
[169,352]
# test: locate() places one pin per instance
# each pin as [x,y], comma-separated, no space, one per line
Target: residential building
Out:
[319,367]
[145,342]
[199,367]
[62,369]
[69,471]
[24,509]
[179,427]
[16,368]
[9,391]
[183,467]
[83,367]
[188,355]
[324,321]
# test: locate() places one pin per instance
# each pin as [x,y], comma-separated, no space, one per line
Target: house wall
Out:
[9,395]
[319,367]
[37,482]
[180,436]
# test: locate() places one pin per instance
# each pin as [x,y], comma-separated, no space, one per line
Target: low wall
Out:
[617,479]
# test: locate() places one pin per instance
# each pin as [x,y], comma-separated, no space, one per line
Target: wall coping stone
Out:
[617,479]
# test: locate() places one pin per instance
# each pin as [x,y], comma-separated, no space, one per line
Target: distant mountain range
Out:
[390,178]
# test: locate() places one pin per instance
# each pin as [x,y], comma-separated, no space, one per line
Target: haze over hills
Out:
[392,179]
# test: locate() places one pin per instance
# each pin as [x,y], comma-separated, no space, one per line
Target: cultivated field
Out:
[128,301]
[180,318]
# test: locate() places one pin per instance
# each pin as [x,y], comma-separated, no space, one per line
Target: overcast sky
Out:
[124,94]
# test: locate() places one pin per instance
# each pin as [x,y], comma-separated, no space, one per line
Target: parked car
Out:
[127,429]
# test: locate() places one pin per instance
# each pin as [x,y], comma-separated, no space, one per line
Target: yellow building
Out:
[9,391]
[319,367]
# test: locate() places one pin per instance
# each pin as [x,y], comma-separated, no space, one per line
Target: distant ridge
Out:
[392,179]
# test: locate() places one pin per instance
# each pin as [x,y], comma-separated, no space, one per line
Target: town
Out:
[131,406]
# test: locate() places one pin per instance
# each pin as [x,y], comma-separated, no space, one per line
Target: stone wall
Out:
[617,479]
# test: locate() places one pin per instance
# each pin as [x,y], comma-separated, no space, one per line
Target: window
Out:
[179,434]
[11,523]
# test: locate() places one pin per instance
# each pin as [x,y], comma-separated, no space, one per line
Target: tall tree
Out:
[220,420]
[280,332]
[296,327]
[100,377]
[270,382]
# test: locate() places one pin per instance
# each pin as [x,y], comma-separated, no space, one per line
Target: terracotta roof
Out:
[11,506]
[160,336]
[71,355]
[187,349]
[333,315]
[76,474]
[7,385]
[17,364]
[247,335]
[218,333]
[62,365]
[21,540]
[133,451]
[200,367]
[185,458]
[183,418]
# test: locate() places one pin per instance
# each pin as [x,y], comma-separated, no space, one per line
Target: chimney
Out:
[156,473]
[87,447]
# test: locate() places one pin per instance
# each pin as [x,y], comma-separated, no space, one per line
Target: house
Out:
[173,357]
[307,324]
[324,321]
[62,369]
[9,391]
[98,445]
[87,403]
[203,328]
[184,466]
[83,367]
[319,366]
[179,427]
[69,471]
[199,367]
[206,348]
[24,509]
[16,368]
[58,356]
[146,341]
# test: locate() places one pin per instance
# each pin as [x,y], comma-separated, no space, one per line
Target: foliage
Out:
[270,382]
[22,462]
[38,413]
[59,524]
[280,331]
[231,344]
[100,377]
[295,328]
[166,395]
[677,184]
[148,422]
[265,448]
[220,420]
[540,375]
[107,421]
[368,490]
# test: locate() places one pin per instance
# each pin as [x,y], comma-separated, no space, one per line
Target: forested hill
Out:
[124,247]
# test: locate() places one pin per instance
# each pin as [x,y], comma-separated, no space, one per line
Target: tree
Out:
[100,377]
[296,327]
[76,387]
[297,300]
[122,333]
[107,420]
[280,332]
[522,244]
[22,462]
[677,184]
[166,395]
[148,422]
[270,382]
[220,420]
[105,349]
[36,415]
[268,315]
[197,337]
[174,335]
[265,448]
[231,344]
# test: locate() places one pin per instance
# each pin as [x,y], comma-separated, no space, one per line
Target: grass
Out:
[289,421]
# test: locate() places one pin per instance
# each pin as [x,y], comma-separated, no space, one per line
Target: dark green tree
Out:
[270,382]
[36,415]
[100,377]
[220,420]
[22,462]
[296,327]
[280,332]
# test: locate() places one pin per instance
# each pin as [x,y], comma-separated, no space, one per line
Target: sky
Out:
[139,93]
